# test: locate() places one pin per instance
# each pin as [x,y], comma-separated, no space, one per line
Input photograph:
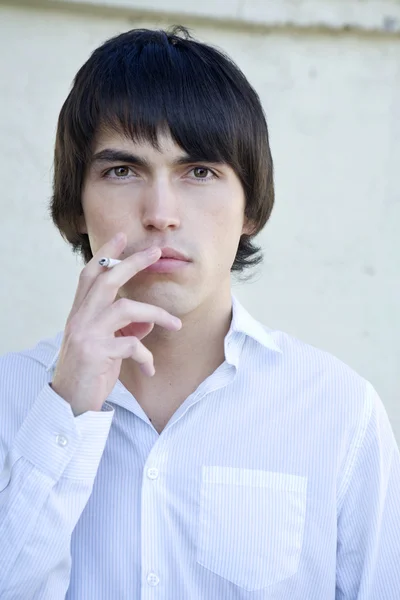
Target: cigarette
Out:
[109,262]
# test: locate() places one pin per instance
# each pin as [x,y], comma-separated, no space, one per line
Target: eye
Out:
[120,172]
[200,173]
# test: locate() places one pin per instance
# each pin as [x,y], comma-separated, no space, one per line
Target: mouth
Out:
[171,260]
[172,254]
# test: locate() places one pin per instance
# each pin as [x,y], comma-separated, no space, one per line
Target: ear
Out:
[248,227]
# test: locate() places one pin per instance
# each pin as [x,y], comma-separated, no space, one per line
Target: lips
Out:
[171,261]
[171,253]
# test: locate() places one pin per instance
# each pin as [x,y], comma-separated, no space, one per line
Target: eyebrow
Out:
[110,155]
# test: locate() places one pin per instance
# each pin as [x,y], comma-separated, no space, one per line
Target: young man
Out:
[166,445]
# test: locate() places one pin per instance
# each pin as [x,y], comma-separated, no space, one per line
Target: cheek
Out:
[110,205]
[227,219]
[223,228]
[105,216]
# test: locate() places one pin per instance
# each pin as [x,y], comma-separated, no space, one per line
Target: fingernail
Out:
[177,322]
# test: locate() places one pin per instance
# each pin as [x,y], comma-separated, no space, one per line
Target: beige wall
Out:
[332,99]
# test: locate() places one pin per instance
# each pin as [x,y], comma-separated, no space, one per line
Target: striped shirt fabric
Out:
[278,478]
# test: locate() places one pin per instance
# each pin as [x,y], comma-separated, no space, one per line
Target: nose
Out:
[160,210]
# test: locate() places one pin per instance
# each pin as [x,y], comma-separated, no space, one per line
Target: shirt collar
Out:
[244,323]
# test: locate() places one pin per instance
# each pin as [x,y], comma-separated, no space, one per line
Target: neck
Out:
[182,359]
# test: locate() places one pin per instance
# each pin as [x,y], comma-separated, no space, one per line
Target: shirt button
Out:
[152,579]
[152,473]
[61,440]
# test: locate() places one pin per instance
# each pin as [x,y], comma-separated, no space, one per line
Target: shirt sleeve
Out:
[368,546]
[46,478]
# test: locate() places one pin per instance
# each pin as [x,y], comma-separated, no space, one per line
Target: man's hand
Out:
[92,350]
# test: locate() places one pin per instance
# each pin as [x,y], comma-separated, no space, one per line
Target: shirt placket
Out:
[153,495]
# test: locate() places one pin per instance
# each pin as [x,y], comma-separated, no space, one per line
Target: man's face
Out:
[195,208]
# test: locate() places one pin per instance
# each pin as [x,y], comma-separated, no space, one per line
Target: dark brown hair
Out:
[142,81]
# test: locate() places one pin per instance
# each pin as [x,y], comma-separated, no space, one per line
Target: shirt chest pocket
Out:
[251,525]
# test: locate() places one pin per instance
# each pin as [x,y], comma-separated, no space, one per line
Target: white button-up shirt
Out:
[278,478]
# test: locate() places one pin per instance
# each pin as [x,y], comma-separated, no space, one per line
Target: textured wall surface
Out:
[381,15]
[332,100]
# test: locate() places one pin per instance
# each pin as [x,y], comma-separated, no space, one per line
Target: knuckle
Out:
[78,340]
[123,304]
[80,345]
[85,349]
[135,344]
[146,353]
[85,274]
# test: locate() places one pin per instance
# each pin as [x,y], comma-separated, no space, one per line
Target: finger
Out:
[123,312]
[105,288]
[131,347]
[92,270]
[139,330]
